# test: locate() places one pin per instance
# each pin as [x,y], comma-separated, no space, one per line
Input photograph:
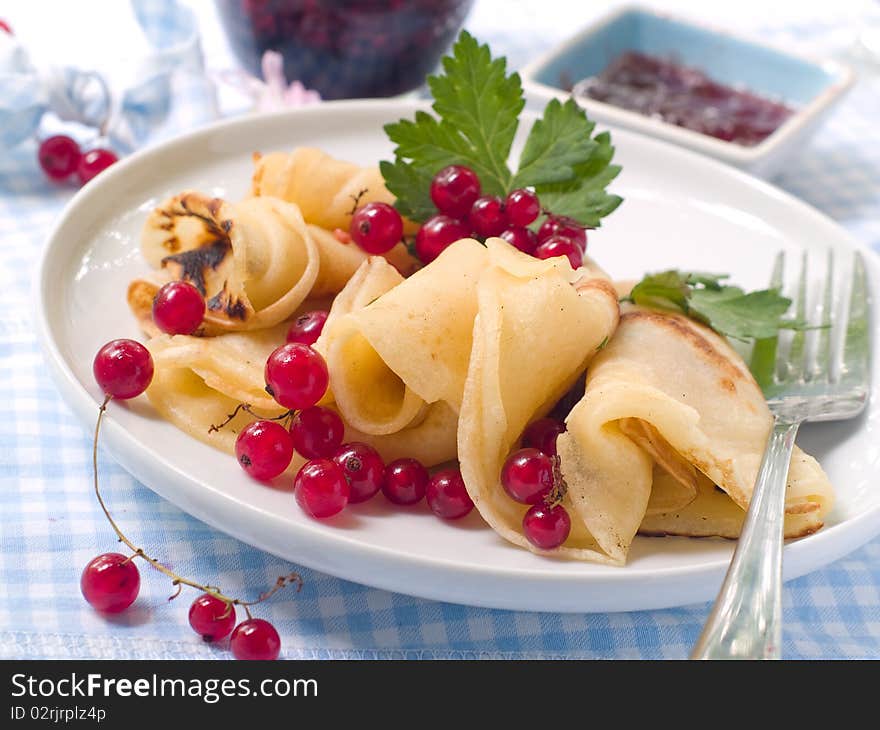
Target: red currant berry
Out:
[123,368]
[178,308]
[376,227]
[59,156]
[4,26]
[560,246]
[211,618]
[546,527]
[321,489]
[307,328]
[94,162]
[541,435]
[111,582]
[522,238]
[317,432]
[405,481]
[563,226]
[255,640]
[436,235]
[264,449]
[454,190]
[447,495]
[296,376]
[522,207]
[363,468]
[527,476]
[487,216]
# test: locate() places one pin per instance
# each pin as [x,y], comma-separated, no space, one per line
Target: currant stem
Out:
[357,199]
[177,580]
[247,408]
[560,487]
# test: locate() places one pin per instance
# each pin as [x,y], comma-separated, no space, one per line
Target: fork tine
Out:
[792,367]
[764,351]
[821,369]
[856,343]
[778,271]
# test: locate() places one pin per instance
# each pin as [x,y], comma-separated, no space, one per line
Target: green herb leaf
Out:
[430,144]
[557,143]
[666,290]
[710,281]
[412,187]
[727,309]
[584,198]
[476,98]
[742,316]
[478,106]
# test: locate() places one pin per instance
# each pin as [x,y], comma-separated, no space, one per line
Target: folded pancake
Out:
[538,324]
[407,348]
[712,513]
[326,190]
[255,261]
[429,435]
[338,261]
[670,397]
[372,279]
[199,382]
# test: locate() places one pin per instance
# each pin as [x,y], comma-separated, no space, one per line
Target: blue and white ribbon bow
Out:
[126,118]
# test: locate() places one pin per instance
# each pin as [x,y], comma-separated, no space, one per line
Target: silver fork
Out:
[746,620]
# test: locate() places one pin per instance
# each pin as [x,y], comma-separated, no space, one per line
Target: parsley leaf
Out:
[666,290]
[584,198]
[557,142]
[476,98]
[727,309]
[732,312]
[710,281]
[478,106]
[412,186]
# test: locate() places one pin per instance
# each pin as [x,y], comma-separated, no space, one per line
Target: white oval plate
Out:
[680,210]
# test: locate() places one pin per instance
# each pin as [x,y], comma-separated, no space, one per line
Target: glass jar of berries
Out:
[345,48]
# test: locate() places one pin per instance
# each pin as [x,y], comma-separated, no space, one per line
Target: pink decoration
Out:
[275,92]
[272,92]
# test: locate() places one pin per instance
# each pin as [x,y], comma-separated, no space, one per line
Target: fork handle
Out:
[746,621]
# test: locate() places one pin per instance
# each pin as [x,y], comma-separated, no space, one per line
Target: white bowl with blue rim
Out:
[811,87]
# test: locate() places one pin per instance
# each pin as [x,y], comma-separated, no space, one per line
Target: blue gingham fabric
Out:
[50,525]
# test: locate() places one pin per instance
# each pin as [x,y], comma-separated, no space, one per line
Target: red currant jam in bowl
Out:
[345,48]
[684,96]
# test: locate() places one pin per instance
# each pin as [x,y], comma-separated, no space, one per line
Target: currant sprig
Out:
[532,475]
[336,473]
[111,582]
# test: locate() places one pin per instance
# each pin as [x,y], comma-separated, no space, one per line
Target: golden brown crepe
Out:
[670,397]
[713,513]
[326,190]
[254,262]
[538,325]
[406,348]
[338,261]
[199,381]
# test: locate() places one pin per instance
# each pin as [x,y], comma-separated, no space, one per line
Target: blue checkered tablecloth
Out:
[50,525]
